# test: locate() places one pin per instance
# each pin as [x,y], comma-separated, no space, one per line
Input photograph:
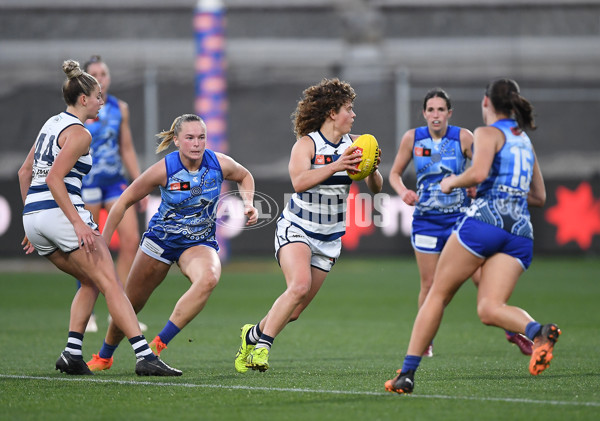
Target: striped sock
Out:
[74,343]
[265,341]
[107,350]
[253,334]
[141,348]
[168,332]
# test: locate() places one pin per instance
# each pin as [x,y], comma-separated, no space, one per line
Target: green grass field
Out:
[329,365]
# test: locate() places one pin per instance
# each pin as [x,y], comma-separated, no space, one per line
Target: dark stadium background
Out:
[387,49]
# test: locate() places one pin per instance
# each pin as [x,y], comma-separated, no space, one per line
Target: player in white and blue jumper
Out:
[115,163]
[308,233]
[183,229]
[58,226]
[495,234]
[437,150]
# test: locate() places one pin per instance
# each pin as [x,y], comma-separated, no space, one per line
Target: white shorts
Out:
[324,253]
[49,230]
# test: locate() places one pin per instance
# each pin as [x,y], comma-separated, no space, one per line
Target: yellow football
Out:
[367,145]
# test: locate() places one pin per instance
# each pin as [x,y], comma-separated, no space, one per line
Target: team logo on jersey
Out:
[179,186]
[323,159]
[422,151]
[516,131]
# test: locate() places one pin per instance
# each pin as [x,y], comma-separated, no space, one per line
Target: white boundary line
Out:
[294,390]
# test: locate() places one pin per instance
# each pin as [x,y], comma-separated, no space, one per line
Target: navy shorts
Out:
[430,233]
[105,193]
[484,240]
[159,250]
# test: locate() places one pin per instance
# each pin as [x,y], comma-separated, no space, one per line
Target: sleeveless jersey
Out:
[187,212]
[502,196]
[105,149]
[39,196]
[433,161]
[321,210]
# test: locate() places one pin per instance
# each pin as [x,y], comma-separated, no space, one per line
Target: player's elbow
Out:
[24,172]
[478,176]
[536,199]
[299,187]
[52,180]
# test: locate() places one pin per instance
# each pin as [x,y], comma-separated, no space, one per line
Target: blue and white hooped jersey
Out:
[502,196]
[105,148]
[321,210]
[433,161]
[47,149]
[188,209]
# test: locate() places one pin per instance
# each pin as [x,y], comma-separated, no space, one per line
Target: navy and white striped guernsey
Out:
[39,196]
[321,210]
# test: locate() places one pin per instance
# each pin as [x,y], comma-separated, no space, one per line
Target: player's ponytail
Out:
[523,112]
[506,98]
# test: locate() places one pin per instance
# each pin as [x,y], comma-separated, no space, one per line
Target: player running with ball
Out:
[308,234]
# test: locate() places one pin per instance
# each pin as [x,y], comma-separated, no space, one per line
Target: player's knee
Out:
[209,280]
[486,314]
[299,290]
[129,246]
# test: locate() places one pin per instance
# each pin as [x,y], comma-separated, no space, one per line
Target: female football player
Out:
[437,150]
[60,229]
[183,229]
[308,233]
[495,234]
[114,156]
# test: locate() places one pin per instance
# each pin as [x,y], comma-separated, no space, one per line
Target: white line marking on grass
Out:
[294,390]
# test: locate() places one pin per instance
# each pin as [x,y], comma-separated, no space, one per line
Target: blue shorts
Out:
[106,193]
[430,233]
[159,250]
[484,240]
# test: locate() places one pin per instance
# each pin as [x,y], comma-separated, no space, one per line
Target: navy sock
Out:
[74,344]
[411,362]
[107,350]
[265,341]
[141,348]
[532,329]
[168,332]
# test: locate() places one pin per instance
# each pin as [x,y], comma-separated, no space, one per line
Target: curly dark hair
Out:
[317,102]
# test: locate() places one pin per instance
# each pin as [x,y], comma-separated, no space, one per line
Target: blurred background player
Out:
[59,227]
[182,231]
[437,150]
[308,234]
[114,157]
[495,234]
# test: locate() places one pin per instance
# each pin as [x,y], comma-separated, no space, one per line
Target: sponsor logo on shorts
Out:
[425,241]
[153,247]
